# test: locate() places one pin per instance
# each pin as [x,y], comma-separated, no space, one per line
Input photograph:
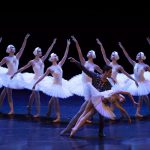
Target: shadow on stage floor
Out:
[22,132]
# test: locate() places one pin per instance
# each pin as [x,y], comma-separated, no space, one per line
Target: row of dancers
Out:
[54,85]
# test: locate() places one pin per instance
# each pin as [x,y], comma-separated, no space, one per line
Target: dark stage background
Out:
[130,26]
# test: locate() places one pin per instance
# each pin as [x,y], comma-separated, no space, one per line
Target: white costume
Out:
[96,98]
[57,86]
[30,78]
[77,83]
[144,84]
[6,73]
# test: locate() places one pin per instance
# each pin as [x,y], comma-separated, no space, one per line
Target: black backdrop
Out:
[111,25]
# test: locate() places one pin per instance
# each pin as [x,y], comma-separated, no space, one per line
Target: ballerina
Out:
[139,68]
[81,79]
[37,65]
[12,62]
[96,101]
[58,87]
[116,69]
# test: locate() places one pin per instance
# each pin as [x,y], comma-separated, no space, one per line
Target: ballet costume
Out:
[29,79]
[143,82]
[57,86]
[6,73]
[78,82]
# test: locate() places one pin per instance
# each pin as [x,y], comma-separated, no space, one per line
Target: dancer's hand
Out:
[148,40]
[71,59]
[26,37]
[33,88]
[54,41]
[12,76]
[74,39]
[68,42]
[136,83]
[98,41]
[120,44]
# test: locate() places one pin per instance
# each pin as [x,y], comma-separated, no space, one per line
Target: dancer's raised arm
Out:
[103,52]
[126,54]
[48,71]
[121,69]
[82,60]
[66,53]
[23,68]
[19,54]
[49,50]
[148,40]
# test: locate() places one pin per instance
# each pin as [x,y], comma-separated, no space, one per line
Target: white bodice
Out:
[38,68]
[57,74]
[115,68]
[90,67]
[139,70]
[12,64]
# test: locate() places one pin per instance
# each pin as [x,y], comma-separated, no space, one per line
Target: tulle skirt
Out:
[97,100]
[76,85]
[142,89]
[57,89]
[6,81]
[29,79]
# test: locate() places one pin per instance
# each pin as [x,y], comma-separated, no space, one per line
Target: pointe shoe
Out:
[57,120]
[11,113]
[138,115]
[36,116]
[73,131]
[88,121]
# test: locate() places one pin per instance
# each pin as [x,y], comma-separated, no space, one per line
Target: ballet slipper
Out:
[73,131]
[57,120]
[138,115]
[11,113]
[88,121]
[36,116]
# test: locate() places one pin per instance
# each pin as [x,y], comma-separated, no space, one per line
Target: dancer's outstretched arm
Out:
[126,54]
[48,71]
[66,53]
[49,50]
[19,54]
[103,52]
[82,60]
[129,76]
[23,68]
[80,66]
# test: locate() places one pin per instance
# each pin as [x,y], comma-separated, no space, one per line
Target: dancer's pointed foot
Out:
[57,120]
[73,131]
[11,113]
[36,116]
[89,121]
[138,115]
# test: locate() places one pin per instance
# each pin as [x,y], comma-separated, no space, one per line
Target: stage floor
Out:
[20,132]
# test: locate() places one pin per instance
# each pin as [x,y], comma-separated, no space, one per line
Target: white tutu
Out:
[15,83]
[96,97]
[29,80]
[147,75]
[142,89]
[76,85]
[122,82]
[2,71]
[60,90]
[105,110]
